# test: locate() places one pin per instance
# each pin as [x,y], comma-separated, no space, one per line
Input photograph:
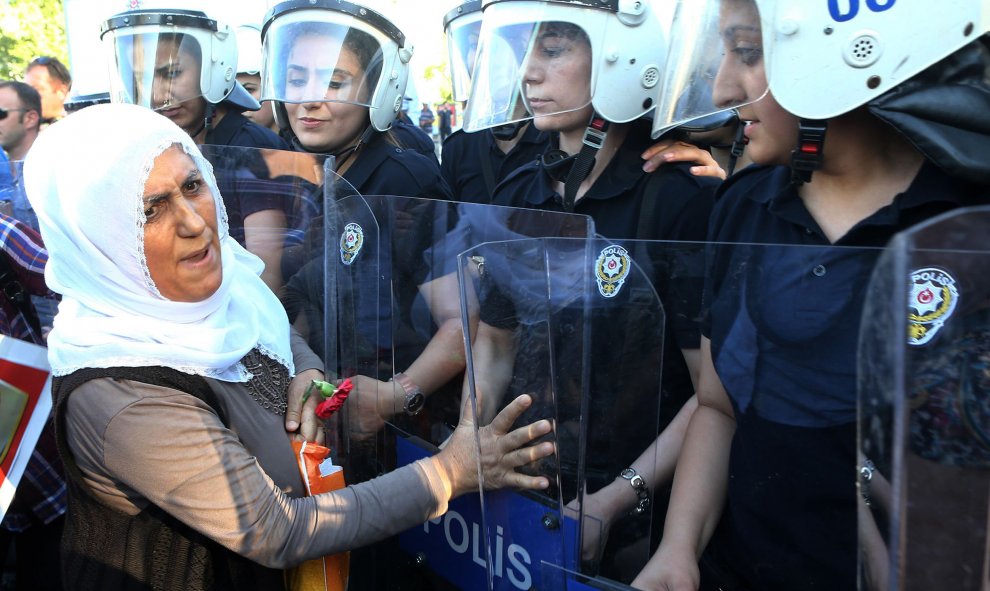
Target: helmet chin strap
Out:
[340,156]
[508,131]
[737,147]
[211,111]
[573,169]
[808,156]
[344,155]
[594,139]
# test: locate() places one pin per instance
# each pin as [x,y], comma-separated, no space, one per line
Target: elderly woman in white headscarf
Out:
[172,359]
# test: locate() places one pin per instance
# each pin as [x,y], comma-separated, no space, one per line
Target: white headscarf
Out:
[85,178]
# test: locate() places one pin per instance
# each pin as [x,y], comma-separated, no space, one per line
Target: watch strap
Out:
[414,396]
[638,485]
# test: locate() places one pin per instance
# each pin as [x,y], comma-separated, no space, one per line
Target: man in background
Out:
[20,123]
[443,112]
[52,80]
[20,118]
[426,119]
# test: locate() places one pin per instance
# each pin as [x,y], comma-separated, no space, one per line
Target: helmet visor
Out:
[715,62]
[158,70]
[248,49]
[320,56]
[463,35]
[534,60]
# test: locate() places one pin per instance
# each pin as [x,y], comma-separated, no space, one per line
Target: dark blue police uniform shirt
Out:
[784,324]
[380,168]
[412,137]
[618,198]
[461,161]
[384,169]
[802,304]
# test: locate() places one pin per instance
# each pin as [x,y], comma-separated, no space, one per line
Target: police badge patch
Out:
[351,242]
[611,270]
[931,302]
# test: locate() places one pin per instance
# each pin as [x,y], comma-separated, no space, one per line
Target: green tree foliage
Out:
[29,28]
[440,73]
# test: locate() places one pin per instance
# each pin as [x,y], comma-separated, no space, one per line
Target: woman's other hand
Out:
[502,450]
[668,151]
[371,403]
[667,571]
[301,421]
[600,510]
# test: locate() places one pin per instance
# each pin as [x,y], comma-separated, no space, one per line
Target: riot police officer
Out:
[846,158]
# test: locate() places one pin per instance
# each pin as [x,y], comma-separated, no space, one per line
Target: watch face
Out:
[414,403]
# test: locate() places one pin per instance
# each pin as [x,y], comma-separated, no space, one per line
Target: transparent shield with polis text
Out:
[403,287]
[280,206]
[640,400]
[924,429]
[556,318]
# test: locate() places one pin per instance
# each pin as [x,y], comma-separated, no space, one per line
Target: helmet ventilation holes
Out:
[863,51]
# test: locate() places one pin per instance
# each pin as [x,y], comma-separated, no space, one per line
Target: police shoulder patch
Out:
[351,242]
[611,270]
[931,301]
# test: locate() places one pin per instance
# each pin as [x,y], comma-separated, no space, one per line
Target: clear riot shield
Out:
[578,325]
[640,383]
[924,432]
[277,203]
[274,202]
[396,266]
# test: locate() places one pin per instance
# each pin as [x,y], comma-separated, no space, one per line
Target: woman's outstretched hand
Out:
[502,450]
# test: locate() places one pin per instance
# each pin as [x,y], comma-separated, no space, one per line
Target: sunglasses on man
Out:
[5,112]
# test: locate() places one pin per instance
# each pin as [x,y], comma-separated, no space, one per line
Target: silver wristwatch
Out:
[414,396]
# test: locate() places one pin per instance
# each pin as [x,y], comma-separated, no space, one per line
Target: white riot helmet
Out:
[249,49]
[628,46]
[822,59]
[150,49]
[462,27]
[306,44]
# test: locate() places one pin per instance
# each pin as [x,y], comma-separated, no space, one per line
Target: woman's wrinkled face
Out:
[557,78]
[325,126]
[175,90]
[741,78]
[181,241]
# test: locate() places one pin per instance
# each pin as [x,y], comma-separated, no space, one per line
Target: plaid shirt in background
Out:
[41,494]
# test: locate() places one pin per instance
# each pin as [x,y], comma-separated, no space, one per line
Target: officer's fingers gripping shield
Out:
[714,64]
